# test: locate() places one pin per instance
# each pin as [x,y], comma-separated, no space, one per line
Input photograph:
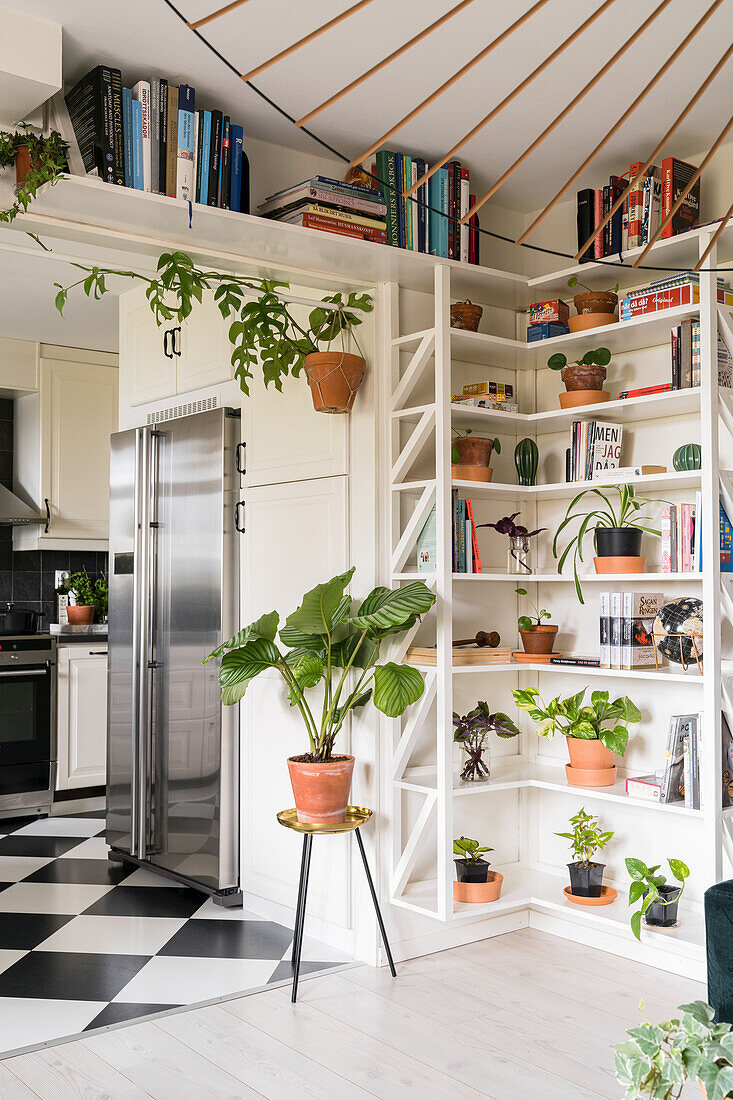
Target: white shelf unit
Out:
[414,432]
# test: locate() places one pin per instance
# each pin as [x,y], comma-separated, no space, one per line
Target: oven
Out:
[27,723]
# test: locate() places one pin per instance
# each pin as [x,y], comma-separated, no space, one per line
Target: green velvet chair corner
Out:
[719,943]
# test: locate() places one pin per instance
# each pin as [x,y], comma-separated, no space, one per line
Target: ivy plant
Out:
[600,720]
[324,640]
[47,164]
[264,329]
[645,886]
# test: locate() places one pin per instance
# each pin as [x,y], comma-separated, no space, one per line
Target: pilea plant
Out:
[649,888]
[469,849]
[265,328]
[599,357]
[469,732]
[586,837]
[574,281]
[526,622]
[464,433]
[47,164]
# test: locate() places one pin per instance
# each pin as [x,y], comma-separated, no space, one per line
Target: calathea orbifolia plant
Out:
[266,328]
[324,640]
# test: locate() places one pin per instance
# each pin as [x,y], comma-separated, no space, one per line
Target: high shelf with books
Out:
[528,798]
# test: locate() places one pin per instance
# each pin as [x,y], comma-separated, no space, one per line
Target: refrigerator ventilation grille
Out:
[202,405]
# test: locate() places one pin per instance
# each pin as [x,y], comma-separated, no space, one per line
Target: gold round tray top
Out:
[355,816]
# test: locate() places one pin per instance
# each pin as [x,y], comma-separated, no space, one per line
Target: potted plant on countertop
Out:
[101,597]
[476,882]
[617,532]
[586,877]
[537,637]
[471,732]
[583,378]
[657,899]
[594,732]
[81,612]
[471,455]
[658,1060]
[519,554]
[594,308]
[466,315]
[325,639]
[263,331]
[37,160]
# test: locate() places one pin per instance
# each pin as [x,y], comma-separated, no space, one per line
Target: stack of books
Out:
[152,138]
[466,556]
[498,396]
[680,546]
[674,290]
[332,206]
[686,363]
[429,220]
[642,211]
[626,620]
[679,780]
[595,449]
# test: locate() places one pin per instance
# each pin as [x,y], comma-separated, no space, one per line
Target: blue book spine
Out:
[206,140]
[127,136]
[186,169]
[350,188]
[438,198]
[137,144]
[236,141]
[422,197]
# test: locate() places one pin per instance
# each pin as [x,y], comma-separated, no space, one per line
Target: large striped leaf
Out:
[239,666]
[317,613]
[264,627]
[308,671]
[396,687]
[296,639]
[387,609]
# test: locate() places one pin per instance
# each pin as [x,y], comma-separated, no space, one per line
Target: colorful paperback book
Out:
[141,93]
[185,162]
[127,128]
[604,618]
[673,777]
[437,214]
[606,454]
[646,787]
[639,611]
[427,545]
[137,145]
[476,556]
[236,139]
[726,542]
[668,528]
[205,143]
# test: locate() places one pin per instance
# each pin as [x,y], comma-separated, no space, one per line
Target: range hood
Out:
[15,511]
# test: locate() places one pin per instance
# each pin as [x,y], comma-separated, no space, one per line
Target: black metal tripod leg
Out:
[300,898]
[373,892]
[300,915]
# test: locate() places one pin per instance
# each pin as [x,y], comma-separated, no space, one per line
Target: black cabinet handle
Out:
[48,516]
[237,515]
[239,458]
[176,340]
[97,652]
[168,354]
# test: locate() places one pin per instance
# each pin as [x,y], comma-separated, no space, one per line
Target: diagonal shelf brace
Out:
[413,726]
[413,528]
[414,444]
[413,370]
[409,852]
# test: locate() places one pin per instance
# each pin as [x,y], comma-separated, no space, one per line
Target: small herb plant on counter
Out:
[472,734]
[586,838]
[658,899]
[470,866]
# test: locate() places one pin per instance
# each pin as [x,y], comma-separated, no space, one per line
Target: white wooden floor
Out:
[525,1015]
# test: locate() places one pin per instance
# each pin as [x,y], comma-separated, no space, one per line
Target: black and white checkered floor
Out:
[85,943]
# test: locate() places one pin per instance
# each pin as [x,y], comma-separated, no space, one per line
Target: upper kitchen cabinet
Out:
[62,450]
[174,359]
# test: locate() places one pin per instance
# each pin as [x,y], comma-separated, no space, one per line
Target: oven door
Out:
[26,714]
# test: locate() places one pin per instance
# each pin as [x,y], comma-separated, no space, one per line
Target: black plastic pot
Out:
[664,916]
[468,870]
[586,879]
[618,542]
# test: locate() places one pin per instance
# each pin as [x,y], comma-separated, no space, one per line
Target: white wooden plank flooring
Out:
[520,1015]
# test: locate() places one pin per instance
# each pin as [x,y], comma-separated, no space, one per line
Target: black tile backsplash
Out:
[27,576]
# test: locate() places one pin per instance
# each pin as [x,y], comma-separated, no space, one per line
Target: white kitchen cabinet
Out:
[62,452]
[82,715]
[159,362]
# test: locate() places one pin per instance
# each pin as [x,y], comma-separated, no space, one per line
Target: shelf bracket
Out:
[409,852]
[413,371]
[413,726]
[422,430]
[413,528]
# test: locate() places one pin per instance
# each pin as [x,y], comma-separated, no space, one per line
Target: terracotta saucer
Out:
[590,777]
[523,658]
[479,893]
[608,895]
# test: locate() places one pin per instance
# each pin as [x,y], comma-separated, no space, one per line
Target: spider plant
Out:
[608,513]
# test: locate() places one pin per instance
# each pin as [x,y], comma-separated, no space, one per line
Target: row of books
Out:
[686,363]
[626,623]
[674,290]
[642,211]
[680,779]
[498,396]
[595,448]
[348,209]
[428,221]
[151,137]
[466,556]
[680,545]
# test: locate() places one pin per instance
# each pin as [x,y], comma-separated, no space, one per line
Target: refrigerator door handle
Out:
[140,644]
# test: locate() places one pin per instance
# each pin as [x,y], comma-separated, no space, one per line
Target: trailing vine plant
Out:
[47,164]
[265,328]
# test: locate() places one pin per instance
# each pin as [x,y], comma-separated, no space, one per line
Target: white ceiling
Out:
[145,37]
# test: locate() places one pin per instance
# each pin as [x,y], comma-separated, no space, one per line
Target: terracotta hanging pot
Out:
[584,385]
[596,301]
[24,163]
[321,790]
[474,454]
[334,377]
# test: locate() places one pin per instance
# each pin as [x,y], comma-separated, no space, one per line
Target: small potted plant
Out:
[81,612]
[657,899]
[476,882]
[537,637]
[519,554]
[37,160]
[471,732]
[325,639]
[465,315]
[586,838]
[583,378]
[594,308]
[658,1060]
[471,455]
[616,529]
[101,597]
[594,731]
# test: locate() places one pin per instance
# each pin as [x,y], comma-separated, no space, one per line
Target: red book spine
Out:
[667,199]
[316,221]
[474,540]
[597,219]
[663,299]
[471,242]
[635,206]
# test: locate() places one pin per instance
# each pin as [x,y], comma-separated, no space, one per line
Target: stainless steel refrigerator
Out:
[172,749]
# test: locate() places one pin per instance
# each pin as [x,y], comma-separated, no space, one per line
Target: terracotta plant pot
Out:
[465,315]
[591,320]
[471,473]
[595,301]
[589,754]
[478,893]
[581,377]
[23,164]
[577,398]
[620,565]
[80,615]
[473,450]
[321,791]
[540,639]
[334,377]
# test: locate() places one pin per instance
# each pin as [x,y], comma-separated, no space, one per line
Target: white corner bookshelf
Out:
[527,794]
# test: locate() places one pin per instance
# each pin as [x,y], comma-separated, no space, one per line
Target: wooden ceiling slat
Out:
[216,14]
[714,238]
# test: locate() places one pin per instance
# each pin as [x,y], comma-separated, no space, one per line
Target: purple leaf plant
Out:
[507,526]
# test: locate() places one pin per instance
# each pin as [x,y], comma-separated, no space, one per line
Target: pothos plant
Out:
[47,164]
[646,884]
[266,328]
[324,640]
[600,720]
